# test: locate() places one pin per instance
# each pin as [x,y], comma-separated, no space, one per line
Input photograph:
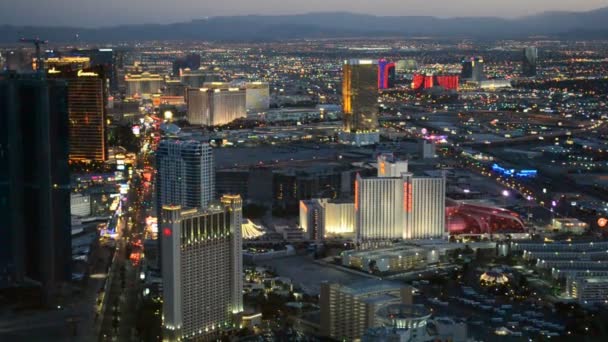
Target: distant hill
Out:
[574,25]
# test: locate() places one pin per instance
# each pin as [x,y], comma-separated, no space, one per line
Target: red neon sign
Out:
[407,197]
[166,231]
[356,195]
[410,201]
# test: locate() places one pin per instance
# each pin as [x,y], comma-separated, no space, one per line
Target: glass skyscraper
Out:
[530,60]
[360,96]
[186,174]
[472,69]
[34,181]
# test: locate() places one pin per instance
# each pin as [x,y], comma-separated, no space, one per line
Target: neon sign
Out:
[82,73]
[513,172]
[356,195]
[407,197]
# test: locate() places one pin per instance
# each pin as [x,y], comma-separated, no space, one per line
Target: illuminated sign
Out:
[156,101]
[407,197]
[513,172]
[82,73]
[356,195]
[152,223]
[54,71]
[124,189]
[167,231]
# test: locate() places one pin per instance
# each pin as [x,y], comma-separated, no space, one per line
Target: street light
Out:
[505,195]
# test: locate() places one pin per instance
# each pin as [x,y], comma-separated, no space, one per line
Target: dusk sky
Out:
[94,13]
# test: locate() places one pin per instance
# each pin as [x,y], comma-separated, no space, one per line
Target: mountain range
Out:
[571,25]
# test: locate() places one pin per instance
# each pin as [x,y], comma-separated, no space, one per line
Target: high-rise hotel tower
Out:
[202,270]
[186,175]
[398,205]
[360,102]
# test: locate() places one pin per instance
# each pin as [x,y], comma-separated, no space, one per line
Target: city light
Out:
[238,177]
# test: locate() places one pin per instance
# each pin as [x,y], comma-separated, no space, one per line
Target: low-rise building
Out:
[348,311]
[569,225]
[413,323]
[589,290]
[388,260]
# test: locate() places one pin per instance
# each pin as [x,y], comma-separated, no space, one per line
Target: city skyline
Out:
[244,178]
[113,12]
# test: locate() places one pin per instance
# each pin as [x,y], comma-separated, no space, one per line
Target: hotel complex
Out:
[394,205]
[202,269]
[398,205]
[216,106]
[143,84]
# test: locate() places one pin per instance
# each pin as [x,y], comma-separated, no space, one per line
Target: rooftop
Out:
[370,286]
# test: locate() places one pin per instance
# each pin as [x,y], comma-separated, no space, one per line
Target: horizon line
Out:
[507,18]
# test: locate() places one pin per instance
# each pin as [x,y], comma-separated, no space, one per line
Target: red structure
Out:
[474,219]
[386,74]
[418,81]
[449,82]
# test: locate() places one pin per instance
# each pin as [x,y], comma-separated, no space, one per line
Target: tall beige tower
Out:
[234,205]
[202,270]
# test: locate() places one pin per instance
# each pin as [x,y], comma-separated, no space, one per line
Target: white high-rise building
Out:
[216,105]
[389,166]
[398,205]
[185,174]
[201,269]
[425,212]
[234,205]
[379,208]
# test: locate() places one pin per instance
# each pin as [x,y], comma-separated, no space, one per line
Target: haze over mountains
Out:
[587,25]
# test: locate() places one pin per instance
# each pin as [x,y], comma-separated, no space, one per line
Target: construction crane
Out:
[37,42]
